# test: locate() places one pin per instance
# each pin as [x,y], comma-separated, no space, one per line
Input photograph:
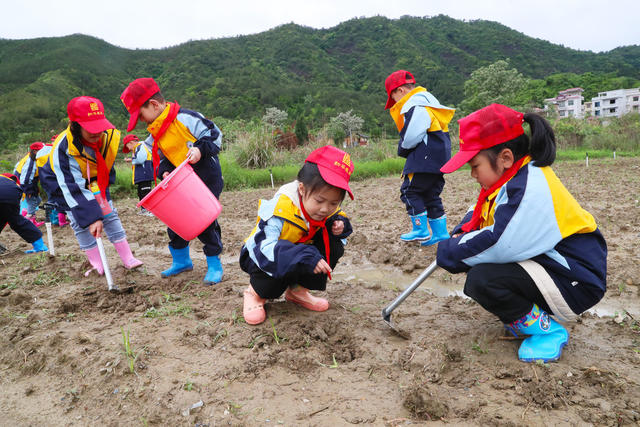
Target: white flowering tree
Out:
[348,123]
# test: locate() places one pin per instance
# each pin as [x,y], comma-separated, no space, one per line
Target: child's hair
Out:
[541,147]
[157,96]
[309,176]
[409,86]
[76,131]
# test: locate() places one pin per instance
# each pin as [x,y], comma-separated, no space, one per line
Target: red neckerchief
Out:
[103,173]
[173,113]
[314,226]
[476,218]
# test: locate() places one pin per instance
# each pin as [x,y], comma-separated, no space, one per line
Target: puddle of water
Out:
[400,280]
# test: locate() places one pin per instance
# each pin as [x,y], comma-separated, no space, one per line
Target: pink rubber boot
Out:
[24,213]
[62,219]
[301,296]
[123,249]
[93,255]
[35,222]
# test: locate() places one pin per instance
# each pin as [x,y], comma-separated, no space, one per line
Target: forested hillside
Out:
[307,72]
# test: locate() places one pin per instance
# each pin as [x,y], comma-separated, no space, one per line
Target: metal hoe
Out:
[105,265]
[386,312]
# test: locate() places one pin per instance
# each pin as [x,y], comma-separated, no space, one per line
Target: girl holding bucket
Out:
[528,248]
[77,177]
[180,134]
[298,238]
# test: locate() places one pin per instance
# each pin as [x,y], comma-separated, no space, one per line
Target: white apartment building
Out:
[568,103]
[616,103]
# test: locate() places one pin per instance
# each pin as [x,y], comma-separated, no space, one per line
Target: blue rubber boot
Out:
[38,246]
[181,262]
[53,217]
[420,230]
[439,230]
[546,340]
[214,270]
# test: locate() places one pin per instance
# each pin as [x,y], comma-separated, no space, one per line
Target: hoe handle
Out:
[386,312]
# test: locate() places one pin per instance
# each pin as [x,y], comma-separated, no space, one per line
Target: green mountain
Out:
[307,72]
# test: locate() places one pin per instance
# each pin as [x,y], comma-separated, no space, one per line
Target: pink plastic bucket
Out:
[183,202]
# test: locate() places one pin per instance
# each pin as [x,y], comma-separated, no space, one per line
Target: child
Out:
[10,195]
[180,134]
[424,141]
[27,172]
[55,217]
[77,177]
[141,167]
[528,248]
[297,240]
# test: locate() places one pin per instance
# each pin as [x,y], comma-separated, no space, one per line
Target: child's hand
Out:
[338,227]
[194,155]
[96,228]
[322,267]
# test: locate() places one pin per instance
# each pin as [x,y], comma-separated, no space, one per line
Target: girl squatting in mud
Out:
[297,240]
[527,246]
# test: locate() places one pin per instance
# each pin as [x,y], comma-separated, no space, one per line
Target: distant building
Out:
[568,103]
[616,103]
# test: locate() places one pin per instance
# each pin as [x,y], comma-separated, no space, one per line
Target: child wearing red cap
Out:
[298,238]
[424,141]
[27,172]
[180,134]
[10,195]
[77,178]
[141,167]
[528,248]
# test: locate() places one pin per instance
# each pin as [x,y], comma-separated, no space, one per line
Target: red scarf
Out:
[314,226]
[173,113]
[476,218]
[103,173]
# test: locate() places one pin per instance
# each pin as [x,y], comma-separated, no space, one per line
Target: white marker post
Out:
[587,160]
[52,250]
[105,265]
[271,174]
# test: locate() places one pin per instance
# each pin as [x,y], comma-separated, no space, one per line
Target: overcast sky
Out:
[579,24]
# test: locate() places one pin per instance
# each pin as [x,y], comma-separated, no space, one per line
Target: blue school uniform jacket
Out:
[10,191]
[534,221]
[424,133]
[64,176]
[273,243]
[189,129]
[27,172]
[141,163]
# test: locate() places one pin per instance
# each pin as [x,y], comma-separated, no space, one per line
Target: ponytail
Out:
[542,147]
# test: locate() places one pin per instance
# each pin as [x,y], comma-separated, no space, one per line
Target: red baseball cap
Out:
[89,112]
[334,165]
[127,139]
[394,81]
[482,129]
[11,177]
[135,95]
[36,146]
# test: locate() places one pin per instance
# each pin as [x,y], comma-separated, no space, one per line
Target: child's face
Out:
[322,203]
[399,93]
[90,137]
[150,112]
[131,145]
[484,173]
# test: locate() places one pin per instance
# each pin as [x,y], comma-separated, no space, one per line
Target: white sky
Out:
[594,25]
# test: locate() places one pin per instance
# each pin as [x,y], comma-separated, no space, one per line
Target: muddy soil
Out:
[193,360]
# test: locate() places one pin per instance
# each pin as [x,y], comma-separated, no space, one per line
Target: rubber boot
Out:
[123,249]
[35,222]
[53,217]
[181,262]
[546,340]
[438,229]
[62,219]
[93,255]
[24,213]
[301,296]
[253,307]
[38,246]
[214,270]
[420,230]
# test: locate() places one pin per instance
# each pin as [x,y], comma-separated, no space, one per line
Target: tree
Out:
[347,123]
[301,131]
[275,117]
[495,83]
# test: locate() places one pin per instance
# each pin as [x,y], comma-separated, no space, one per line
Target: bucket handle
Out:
[165,182]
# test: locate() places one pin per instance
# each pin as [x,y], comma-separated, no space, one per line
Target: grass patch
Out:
[170,306]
